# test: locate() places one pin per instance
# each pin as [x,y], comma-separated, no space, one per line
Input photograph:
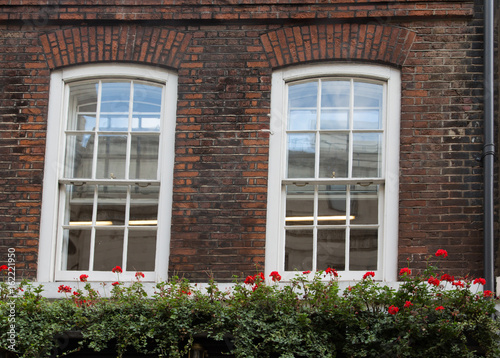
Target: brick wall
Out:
[224,53]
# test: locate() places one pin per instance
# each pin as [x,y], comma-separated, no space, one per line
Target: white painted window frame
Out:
[48,256]
[388,240]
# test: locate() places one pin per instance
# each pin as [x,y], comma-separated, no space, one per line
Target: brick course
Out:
[224,53]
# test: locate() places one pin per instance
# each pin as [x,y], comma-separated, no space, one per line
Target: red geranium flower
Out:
[250,280]
[117,269]
[275,275]
[139,274]
[481,281]
[405,271]
[3,267]
[447,277]
[369,274]
[440,308]
[458,283]
[332,272]
[65,289]
[393,309]
[433,281]
[83,278]
[487,293]
[115,283]
[306,272]
[408,304]
[441,252]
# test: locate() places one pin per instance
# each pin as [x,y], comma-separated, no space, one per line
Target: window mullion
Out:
[93,233]
[126,229]
[348,228]
[96,130]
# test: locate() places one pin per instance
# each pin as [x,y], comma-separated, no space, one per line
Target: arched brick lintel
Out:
[364,42]
[79,45]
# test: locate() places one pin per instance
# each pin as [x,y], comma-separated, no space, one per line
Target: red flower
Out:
[441,252]
[440,308]
[255,287]
[75,293]
[447,277]
[306,272]
[405,271]
[139,274]
[332,272]
[433,281]
[393,310]
[83,278]
[250,280]
[458,283]
[487,293]
[115,283]
[117,269]
[481,281]
[65,289]
[275,275]
[3,267]
[369,274]
[408,304]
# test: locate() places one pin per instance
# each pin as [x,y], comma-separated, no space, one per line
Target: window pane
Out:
[363,249]
[334,118]
[299,205]
[144,157]
[301,148]
[79,205]
[368,101]
[367,119]
[333,155]
[331,205]
[298,250]
[79,156]
[335,94]
[108,249]
[367,149]
[76,249]
[111,205]
[84,100]
[331,249]
[115,97]
[364,204]
[111,157]
[302,119]
[115,123]
[85,122]
[145,123]
[147,98]
[141,250]
[144,206]
[302,106]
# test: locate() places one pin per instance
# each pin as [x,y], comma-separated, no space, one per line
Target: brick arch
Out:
[81,45]
[367,42]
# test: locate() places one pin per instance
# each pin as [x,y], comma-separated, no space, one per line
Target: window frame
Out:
[388,237]
[58,106]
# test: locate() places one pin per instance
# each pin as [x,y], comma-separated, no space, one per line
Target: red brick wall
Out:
[224,53]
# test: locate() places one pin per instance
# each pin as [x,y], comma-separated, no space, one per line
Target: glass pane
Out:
[298,250]
[111,204]
[334,118]
[364,204]
[144,157]
[115,97]
[111,157]
[141,250]
[76,248]
[108,249]
[147,98]
[368,101]
[85,122]
[367,148]
[116,122]
[146,123]
[363,249]
[301,155]
[302,104]
[335,94]
[333,155]
[331,249]
[331,205]
[79,205]
[144,206]
[84,100]
[299,205]
[79,156]
[302,119]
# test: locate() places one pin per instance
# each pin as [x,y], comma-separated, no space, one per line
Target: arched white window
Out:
[108,175]
[333,170]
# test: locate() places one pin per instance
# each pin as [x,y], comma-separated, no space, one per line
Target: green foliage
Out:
[426,316]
